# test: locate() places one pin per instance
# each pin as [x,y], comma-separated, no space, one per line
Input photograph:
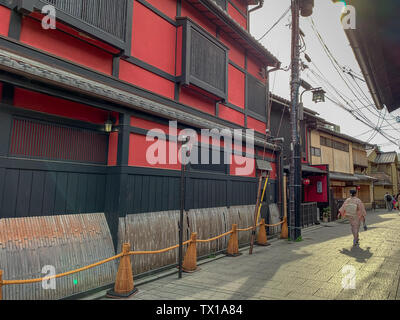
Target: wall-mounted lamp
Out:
[108,126]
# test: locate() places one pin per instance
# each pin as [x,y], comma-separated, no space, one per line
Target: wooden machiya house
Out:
[346,161]
[72,189]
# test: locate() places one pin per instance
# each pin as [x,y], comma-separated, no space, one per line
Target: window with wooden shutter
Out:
[256,97]
[107,15]
[204,60]
[106,20]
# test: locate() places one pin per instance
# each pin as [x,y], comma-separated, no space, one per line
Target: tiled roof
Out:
[239,34]
[386,157]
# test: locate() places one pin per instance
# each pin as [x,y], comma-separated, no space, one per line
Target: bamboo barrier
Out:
[124,285]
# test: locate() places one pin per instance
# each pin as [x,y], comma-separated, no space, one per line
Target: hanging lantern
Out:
[318,95]
[358,187]
[306,182]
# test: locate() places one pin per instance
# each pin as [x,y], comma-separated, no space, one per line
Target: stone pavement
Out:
[310,269]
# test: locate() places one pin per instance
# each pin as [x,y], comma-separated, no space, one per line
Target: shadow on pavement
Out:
[358,253]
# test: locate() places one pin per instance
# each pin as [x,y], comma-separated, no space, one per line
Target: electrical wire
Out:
[372,127]
[351,87]
[274,25]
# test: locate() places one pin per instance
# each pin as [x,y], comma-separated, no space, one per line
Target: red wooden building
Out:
[138,64]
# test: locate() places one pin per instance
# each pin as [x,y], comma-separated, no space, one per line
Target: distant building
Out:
[384,166]
[346,160]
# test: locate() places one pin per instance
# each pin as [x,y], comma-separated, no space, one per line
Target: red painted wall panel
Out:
[237,16]
[64,108]
[189,11]
[273,174]
[231,115]
[310,191]
[236,53]
[112,149]
[65,46]
[5,14]
[256,125]
[76,33]
[145,79]
[148,125]
[196,100]
[153,39]
[179,44]
[253,67]
[167,7]
[241,4]
[138,147]
[236,86]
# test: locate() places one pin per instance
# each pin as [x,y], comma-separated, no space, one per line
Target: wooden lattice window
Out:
[204,60]
[256,96]
[106,15]
[52,141]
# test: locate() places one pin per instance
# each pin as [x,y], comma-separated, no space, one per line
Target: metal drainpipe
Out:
[260,5]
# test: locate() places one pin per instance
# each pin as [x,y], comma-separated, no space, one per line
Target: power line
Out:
[351,87]
[336,65]
[273,26]
[373,128]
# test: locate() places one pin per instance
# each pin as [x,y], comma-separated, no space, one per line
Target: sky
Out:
[326,16]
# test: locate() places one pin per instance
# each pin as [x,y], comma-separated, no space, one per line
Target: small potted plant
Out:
[326,214]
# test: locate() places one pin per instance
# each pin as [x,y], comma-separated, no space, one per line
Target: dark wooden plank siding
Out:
[72,195]
[10,193]
[49,193]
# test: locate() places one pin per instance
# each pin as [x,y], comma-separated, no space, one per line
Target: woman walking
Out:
[354,210]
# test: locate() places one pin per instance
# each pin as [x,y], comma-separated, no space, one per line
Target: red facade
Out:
[155,59]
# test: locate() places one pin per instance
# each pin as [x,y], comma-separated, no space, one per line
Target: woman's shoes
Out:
[365,227]
[355,242]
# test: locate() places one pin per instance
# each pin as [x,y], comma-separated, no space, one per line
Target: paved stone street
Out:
[311,269]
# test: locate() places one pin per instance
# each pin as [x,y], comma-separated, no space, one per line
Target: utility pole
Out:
[295,162]
[295,170]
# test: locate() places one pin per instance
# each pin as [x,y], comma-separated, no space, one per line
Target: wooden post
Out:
[284,230]
[190,261]
[284,196]
[253,232]
[124,286]
[233,244]
[262,235]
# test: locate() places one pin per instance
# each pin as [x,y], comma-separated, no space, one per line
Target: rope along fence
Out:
[124,285]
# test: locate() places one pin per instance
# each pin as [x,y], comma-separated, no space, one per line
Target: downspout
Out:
[279,154]
[260,5]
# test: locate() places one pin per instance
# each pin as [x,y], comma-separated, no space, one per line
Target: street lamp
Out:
[318,95]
